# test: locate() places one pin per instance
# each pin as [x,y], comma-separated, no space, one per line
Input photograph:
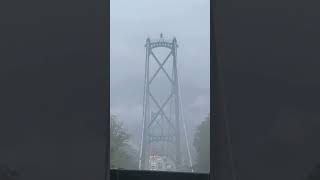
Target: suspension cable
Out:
[184,123]
[143,111]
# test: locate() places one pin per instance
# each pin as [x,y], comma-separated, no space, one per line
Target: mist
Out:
[189,22]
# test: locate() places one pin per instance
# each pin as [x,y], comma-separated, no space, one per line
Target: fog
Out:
[132,22]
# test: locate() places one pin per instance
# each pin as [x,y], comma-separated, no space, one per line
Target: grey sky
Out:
[131,23]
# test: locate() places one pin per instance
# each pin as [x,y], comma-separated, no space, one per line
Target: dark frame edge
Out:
[221,156]
[107,60]
[213,84]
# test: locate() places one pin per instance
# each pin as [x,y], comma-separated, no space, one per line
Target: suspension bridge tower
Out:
[163,123]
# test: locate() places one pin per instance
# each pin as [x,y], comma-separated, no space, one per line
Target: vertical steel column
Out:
[146,112]
[177,104]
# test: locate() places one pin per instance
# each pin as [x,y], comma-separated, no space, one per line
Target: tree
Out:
[121,154]
[201,143]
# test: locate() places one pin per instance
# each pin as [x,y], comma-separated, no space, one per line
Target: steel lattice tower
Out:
[152,139]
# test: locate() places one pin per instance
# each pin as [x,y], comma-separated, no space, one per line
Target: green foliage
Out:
[201,143]
[120,150]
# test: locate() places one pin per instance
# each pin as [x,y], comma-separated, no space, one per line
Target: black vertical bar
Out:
[221,160]
[53,95]
[107,38]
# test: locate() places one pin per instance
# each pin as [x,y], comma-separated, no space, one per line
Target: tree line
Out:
[120,149]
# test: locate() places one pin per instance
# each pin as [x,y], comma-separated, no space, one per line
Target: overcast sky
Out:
[131,23]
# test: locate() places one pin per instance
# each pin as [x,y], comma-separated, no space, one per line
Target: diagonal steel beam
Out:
[161,108]
[164,104]
[161,66]
[154,56]
[157,122]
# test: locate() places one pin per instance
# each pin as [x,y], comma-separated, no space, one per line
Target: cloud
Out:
[201,102]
